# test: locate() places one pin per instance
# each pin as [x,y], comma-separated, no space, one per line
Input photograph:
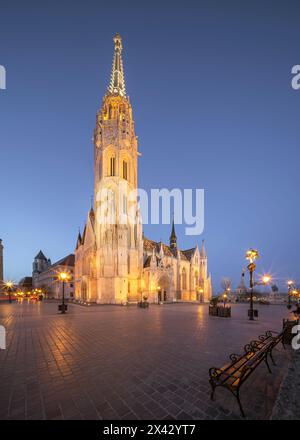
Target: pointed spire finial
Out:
[173,238]
[117,81]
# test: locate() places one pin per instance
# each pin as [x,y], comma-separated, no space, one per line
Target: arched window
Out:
[183,278]
[112,166]
[125,170]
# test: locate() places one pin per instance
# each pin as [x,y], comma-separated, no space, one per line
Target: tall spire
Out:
[173,238]
[117,81]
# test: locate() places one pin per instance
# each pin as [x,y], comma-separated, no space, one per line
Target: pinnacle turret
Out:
[203,251]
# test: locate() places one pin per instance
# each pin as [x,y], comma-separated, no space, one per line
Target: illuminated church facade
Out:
[114,262]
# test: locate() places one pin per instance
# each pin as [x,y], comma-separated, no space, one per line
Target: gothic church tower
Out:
[113,270]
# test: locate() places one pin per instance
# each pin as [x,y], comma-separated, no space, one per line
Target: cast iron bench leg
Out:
[267,363]
[212,391]
[271,356]
[237,395]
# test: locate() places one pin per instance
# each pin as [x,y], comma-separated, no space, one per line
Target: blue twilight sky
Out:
[209,82]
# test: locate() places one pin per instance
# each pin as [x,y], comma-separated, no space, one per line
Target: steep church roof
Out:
[149,245]
[189,253]
[69,260]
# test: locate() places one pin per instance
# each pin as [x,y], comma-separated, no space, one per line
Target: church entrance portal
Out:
[163,289]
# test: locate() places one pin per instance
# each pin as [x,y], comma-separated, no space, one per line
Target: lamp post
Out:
[290,284]
[159,294]
[201,291]
[296,295]
[63,277]
[224,299]
[9,287]
[251,256]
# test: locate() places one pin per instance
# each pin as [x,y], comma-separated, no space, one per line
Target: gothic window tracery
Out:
[183,278]
[112,166]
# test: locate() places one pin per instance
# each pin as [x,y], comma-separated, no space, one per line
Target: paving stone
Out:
[122,363]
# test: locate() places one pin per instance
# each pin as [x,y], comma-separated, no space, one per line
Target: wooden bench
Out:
[235,373]
[232,375]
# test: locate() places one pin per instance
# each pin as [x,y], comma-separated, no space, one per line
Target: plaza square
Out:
[118,362]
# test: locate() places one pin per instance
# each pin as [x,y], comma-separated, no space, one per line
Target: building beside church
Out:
[45,275]
[114,262]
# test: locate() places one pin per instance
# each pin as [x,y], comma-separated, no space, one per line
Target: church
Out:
[114,262]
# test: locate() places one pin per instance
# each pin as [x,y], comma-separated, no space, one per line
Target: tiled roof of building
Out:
[26,281]
[147,262]
[149,245]
[66,261]
[189,253]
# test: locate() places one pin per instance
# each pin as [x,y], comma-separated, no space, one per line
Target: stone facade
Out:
[45,276]
[114,262]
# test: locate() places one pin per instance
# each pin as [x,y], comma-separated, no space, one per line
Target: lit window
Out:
[112,166]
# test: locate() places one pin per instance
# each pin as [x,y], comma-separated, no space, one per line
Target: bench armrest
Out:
[234,356]
[214,373]
[248,348]
[272,332]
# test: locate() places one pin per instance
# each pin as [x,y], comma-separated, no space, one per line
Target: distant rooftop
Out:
[40,256]
[66,261]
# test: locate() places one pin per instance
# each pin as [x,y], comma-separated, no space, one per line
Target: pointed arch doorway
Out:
[163,290]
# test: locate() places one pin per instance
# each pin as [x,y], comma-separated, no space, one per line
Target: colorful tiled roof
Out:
[189,253]
[149,245]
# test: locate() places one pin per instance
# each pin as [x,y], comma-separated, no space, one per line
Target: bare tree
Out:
[226,284]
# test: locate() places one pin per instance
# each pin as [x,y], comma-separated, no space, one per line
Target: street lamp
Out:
[251,255]
[9,287]
[63,277]
[200,294]
[266,279]
[290,284]
[224,298]
[159,294]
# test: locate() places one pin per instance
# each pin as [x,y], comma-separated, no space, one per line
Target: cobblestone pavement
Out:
[113,362]
[287,406]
